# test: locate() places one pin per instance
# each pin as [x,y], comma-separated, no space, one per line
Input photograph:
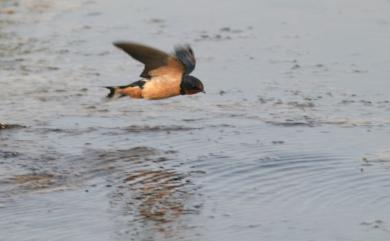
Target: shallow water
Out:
[289,143]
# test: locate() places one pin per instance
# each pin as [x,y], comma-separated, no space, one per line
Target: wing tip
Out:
[186,56]
[119,44]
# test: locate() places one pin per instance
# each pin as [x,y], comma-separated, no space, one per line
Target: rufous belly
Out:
[160,88]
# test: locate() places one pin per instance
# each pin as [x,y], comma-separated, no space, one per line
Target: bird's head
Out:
[191,85]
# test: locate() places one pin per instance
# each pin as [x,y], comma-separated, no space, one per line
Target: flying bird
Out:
[164,75]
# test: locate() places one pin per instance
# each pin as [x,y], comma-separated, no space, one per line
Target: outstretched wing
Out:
[156,62]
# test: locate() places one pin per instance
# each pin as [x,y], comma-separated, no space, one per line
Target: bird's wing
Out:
[186,56]
[157,62]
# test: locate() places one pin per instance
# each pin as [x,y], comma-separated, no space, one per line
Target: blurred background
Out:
[291,141]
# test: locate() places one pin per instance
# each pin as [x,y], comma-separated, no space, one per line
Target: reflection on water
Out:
[291,137]
[159,198]
[156,189]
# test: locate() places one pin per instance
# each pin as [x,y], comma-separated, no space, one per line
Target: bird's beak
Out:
[204,92]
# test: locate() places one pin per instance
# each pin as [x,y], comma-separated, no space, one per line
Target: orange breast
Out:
[161,87]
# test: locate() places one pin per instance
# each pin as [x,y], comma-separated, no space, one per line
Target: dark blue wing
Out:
[186,56]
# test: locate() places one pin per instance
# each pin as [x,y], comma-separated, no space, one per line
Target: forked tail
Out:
[133,90]
[115,92]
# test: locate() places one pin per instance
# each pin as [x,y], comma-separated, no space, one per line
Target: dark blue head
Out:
[186,56]
[190,85]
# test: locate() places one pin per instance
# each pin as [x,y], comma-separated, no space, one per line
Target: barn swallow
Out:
[164,75]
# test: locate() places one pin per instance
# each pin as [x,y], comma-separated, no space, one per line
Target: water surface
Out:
[289,143]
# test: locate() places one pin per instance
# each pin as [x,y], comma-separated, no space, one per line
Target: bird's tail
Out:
[115,92]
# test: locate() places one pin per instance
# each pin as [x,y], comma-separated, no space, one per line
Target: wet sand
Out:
[289,143]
